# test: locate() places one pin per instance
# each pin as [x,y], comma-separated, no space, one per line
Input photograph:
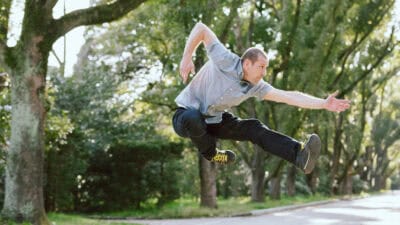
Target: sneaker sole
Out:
[231,157]
[314,146]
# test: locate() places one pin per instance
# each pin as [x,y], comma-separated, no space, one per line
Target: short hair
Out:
[252,54]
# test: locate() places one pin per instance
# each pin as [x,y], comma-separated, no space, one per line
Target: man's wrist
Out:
[324,104]
[187,55]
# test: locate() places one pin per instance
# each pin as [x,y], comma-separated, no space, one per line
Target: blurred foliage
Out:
[97,119]
[129,174]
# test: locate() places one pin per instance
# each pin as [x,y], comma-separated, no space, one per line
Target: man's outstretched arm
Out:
[200,33]
[331,103]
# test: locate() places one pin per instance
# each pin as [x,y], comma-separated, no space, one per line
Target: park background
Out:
[108,143]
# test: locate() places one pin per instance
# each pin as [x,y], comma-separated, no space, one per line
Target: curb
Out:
[297,206]
[283,208]
[291,207]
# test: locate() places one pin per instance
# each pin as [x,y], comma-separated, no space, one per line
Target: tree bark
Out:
[208,192]
[291,180]
[346,187]
[379,179]
[275,181]
[24,171]
[82,58]
[26,64]
[336,155]
[312,180]
[258,175]
[275,187]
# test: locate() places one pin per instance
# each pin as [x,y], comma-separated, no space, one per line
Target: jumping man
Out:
[225,81]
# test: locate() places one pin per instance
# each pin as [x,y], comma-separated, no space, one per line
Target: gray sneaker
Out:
[308,156]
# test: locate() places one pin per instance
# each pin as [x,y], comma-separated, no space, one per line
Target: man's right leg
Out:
[271,141]
[190,123]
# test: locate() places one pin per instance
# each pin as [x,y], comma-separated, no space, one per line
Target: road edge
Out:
[304,205]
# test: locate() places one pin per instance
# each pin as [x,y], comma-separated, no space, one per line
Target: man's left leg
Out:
[190,123]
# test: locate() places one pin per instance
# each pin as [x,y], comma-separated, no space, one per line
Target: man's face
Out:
[254,72]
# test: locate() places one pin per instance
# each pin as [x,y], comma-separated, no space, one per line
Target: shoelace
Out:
[220,157]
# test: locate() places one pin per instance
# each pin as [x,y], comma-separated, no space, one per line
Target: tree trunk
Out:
[24,172]
[312,180]
[82,58]
[291,180]
[208,187]
[275,187]
[379,179]
[258,175]
[336,155]
[346,187]
[367,165]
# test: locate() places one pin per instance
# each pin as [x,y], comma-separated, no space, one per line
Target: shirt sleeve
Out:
[262,89]
[223,58]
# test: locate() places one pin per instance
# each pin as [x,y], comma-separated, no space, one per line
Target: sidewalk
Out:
[304,205]
[375,209]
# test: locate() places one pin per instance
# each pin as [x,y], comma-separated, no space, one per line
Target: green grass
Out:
[64,219]
[188,208]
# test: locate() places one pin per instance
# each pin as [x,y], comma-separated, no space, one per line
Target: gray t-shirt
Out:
[219,85]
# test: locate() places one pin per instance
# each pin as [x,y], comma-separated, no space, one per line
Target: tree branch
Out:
[93,15]
[381,82]
[345,56]
[229,19]
[356,43]
[328,53]
[386,52]
[288,48]
[275,171]
[274,9]
[50,3]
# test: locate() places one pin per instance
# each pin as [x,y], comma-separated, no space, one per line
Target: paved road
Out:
[376,210]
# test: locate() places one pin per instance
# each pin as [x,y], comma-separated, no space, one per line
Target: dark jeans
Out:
[191,123]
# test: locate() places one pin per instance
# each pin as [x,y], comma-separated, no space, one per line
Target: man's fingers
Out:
[184,79]
[342,107]
[338,105]
[184,72]
[186,67]
[344,101]
[183,75]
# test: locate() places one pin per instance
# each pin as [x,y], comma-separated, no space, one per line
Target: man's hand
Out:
[186,67]
[336,105]
[200,33]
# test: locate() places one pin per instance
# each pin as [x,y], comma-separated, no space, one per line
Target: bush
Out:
[127,175]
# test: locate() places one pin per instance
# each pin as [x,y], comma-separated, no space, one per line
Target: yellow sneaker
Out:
[224,157]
